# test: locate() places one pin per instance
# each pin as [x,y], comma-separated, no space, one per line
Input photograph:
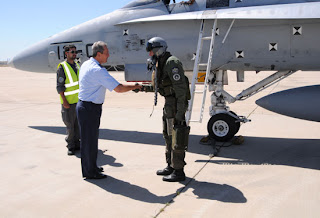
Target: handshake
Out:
[144,88]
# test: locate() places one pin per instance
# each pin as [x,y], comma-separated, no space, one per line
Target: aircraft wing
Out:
[310,10]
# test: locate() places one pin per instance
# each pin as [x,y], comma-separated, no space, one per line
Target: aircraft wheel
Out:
[222,127]
[237,123]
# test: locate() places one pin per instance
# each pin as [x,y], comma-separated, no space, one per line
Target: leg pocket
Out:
[65,116]
[170,107]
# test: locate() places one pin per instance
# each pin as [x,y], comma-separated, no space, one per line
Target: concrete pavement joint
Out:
[210,157]
[182,189]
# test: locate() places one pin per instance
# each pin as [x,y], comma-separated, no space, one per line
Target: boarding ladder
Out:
[197,64]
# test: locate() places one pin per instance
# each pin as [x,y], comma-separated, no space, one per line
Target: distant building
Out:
[3,63]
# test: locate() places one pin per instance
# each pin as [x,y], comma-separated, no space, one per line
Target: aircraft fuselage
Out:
[251,44]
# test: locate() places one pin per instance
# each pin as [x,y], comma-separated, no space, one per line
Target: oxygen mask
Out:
[151,63]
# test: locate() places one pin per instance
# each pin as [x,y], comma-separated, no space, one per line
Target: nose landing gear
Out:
[222,127]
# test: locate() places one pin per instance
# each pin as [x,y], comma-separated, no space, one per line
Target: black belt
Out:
[89,102]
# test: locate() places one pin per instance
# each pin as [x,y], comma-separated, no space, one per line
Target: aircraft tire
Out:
[222,127]
[237,123]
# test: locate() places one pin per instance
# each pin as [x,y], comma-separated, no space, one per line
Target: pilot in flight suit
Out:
[170,82]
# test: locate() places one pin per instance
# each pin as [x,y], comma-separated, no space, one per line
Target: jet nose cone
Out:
[34,59]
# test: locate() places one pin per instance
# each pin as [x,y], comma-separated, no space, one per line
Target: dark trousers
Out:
[69,118]
[174,158]
[89,115]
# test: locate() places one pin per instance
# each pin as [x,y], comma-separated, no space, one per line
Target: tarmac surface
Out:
[274,173]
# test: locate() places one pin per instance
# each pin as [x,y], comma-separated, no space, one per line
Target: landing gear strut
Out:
[223,124]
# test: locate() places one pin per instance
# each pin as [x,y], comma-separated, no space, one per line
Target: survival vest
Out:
[165,86]
[71,83]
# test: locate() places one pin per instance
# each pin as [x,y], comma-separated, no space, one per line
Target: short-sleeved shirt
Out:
[94,80]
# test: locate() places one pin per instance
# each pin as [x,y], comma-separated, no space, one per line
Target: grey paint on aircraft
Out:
[266,35]
[302,103]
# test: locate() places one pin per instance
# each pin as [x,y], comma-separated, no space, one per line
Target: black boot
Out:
[175,176]
[166,171]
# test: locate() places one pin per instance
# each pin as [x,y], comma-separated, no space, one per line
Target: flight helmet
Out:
[158,45]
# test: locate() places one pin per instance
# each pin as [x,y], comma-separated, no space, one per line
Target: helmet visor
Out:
[149,47]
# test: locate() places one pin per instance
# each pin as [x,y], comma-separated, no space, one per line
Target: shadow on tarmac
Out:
[303,153]
[118,135]
[212,191]
[103,159]
[203,190]
[119,187]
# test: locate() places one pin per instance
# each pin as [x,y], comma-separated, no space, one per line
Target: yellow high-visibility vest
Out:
[71,83]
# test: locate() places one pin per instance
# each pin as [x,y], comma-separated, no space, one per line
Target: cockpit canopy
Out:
[137,3]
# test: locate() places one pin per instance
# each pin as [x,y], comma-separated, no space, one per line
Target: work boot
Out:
[175,176]
[166,171]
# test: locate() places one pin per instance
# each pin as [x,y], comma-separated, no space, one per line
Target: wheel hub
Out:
[220,128]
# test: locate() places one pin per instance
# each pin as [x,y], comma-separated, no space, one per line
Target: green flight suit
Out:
[174,86]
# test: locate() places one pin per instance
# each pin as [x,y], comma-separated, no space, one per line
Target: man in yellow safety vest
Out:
[68,89]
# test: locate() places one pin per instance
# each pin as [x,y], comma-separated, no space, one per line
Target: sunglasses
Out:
[73,52]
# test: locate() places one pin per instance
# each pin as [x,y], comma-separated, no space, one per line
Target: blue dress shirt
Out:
[93,82]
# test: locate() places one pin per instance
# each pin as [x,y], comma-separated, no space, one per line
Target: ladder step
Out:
[203,64]
[195,121]
[196,74]
[207,38]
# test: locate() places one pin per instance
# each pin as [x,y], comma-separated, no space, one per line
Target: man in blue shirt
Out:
[94,80]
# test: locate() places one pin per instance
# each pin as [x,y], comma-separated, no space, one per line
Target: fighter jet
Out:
[210,36]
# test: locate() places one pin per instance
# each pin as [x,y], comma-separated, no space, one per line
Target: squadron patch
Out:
[61,79]
[176,77]
[175,70]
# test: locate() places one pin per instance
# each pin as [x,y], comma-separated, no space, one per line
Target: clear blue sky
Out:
[25,22]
